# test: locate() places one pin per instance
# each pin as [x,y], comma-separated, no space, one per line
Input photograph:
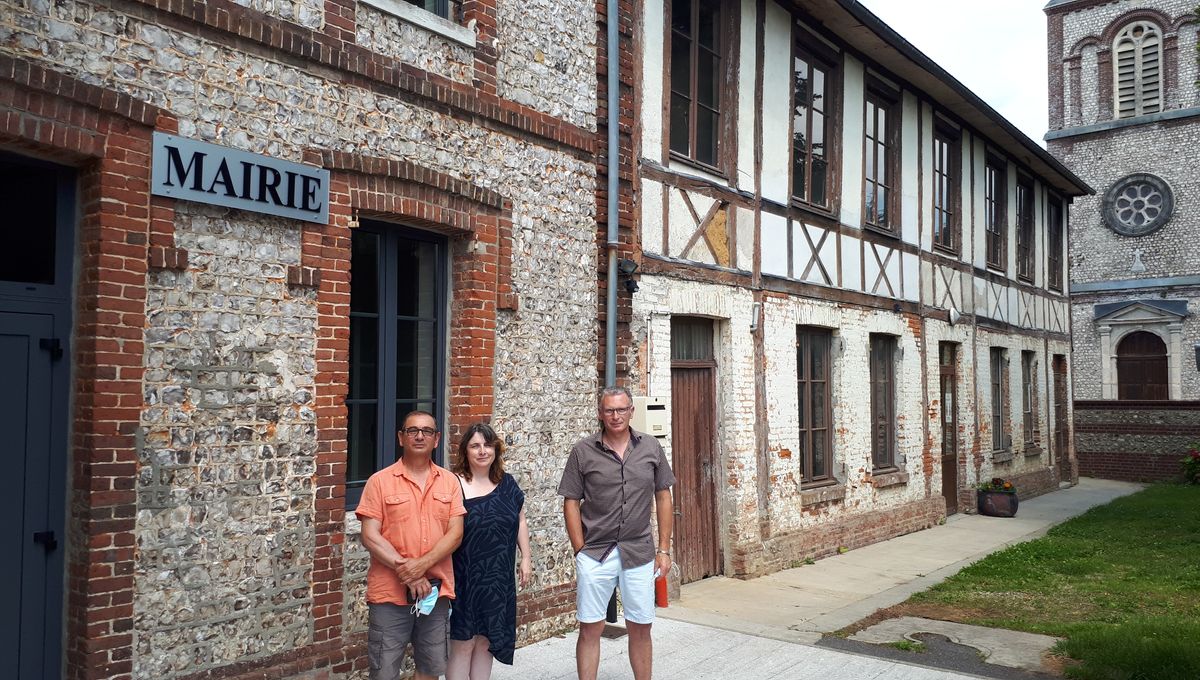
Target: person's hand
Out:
[662,563]
[419,588]
[526,572]
[410,569]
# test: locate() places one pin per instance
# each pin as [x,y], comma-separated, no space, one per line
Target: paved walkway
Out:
[722,627]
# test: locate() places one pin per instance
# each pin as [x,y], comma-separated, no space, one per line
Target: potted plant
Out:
[997,498]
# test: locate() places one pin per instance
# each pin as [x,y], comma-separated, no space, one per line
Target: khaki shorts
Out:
[392,626]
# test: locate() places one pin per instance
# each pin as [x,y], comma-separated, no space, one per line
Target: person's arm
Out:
[574,523]
[413,570]
[665,510]
[379,547]
[523,546]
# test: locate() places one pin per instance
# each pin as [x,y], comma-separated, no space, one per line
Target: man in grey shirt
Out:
[608,485]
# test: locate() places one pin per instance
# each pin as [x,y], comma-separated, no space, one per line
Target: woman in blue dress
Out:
[483,625]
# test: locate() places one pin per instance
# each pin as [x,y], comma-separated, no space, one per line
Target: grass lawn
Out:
[1121,583]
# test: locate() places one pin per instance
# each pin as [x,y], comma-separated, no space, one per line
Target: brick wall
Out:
[1136,441]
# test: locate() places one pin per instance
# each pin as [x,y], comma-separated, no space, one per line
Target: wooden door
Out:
[694,448]
[1142,367]
[1061,423]
[948,358]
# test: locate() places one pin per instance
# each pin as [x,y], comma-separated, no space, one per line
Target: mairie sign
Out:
[207,173]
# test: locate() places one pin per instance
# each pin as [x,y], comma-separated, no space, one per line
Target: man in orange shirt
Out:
[412,520]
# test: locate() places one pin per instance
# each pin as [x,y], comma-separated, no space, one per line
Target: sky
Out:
[995,48]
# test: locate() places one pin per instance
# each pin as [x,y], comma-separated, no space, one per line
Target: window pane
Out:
[30,199]
[679,124]
[362,429]
[818,90]
[820,182]
[818,404]
[416,278]
[416,359]
[799,163]
[802,396]
[819,463]
[364,272]
[707,78]
[881,206]
[681,16]
[709,24]
[364,357]
[681,66]
[706,136]
[820,354]
[691,339]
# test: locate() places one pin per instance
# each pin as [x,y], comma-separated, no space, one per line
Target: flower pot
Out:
[997,503]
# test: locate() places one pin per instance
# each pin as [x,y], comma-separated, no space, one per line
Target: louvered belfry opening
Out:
[1138,72]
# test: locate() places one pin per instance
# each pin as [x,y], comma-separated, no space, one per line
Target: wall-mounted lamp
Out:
[626,268]
[755,312]
[954,316]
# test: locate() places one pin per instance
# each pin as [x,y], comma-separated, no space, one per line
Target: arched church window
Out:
[1137,72]
[1142,367]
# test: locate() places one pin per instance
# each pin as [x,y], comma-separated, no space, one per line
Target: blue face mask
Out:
[426,604]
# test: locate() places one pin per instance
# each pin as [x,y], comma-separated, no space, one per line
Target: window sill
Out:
[949,252]
[1003,456]
[875,229]
[882,480]
[824,494]
[997,268]
[824,211]
[687,164]
[427,20]
[1025,279]
[1032,450]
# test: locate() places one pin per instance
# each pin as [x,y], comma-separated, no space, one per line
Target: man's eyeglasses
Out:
[623,411]
[414,431]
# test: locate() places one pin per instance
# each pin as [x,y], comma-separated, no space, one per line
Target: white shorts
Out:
[594,586]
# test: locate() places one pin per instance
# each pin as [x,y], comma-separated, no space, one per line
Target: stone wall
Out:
[1136,441]
[548,57]
[227,352]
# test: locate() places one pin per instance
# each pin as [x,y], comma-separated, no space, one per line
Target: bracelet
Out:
[660,551]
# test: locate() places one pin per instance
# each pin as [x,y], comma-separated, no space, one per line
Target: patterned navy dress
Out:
[484,578]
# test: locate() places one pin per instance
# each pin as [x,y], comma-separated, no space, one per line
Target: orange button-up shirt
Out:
[413,522]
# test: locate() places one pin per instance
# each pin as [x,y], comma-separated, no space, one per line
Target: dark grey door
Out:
[27,597]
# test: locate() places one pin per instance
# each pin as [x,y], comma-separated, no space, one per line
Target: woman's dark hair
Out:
[463,466]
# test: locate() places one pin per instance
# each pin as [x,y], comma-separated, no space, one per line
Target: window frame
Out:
[449,10]
[1026,230]
[806,384]
[1054,243]
[1001,417]
[951,197]
[386,401]
[995,212]
[885,99]
[719,86]
[830,62]
[882,368]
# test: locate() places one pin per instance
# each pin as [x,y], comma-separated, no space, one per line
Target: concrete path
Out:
[722,628]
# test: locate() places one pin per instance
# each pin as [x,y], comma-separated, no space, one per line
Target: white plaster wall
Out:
[925,207]
[910,266]
[978,203]
[851,263]
[852,140]
[748,65]
[910,168]
[651,204]
[775,248]
[653,86]
[777,109]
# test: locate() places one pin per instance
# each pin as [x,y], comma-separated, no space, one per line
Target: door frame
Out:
[57,301]
[949,372]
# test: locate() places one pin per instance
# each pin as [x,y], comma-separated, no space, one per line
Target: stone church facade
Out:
[1125,116]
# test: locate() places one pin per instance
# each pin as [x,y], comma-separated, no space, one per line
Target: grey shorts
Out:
[392,626]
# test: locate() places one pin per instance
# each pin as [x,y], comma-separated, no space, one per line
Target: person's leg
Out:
[637,599]
[594,583]
[481,659]
[430,638]
[389,628]
[587,650]
[458,666]
[641,649]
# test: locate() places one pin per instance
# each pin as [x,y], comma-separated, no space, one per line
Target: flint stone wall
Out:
[225,501]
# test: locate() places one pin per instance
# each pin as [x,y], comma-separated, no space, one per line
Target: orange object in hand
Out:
[660,590]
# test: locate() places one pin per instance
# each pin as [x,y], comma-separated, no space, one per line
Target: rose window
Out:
[1138,205]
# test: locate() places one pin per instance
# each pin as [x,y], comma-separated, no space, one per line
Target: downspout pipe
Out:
[612,20]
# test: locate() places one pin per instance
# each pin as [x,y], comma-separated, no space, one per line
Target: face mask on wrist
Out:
[426,604]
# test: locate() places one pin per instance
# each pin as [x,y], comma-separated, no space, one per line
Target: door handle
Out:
[53,346]
[46,539]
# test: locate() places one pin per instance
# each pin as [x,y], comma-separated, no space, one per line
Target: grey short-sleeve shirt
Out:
[617,495]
